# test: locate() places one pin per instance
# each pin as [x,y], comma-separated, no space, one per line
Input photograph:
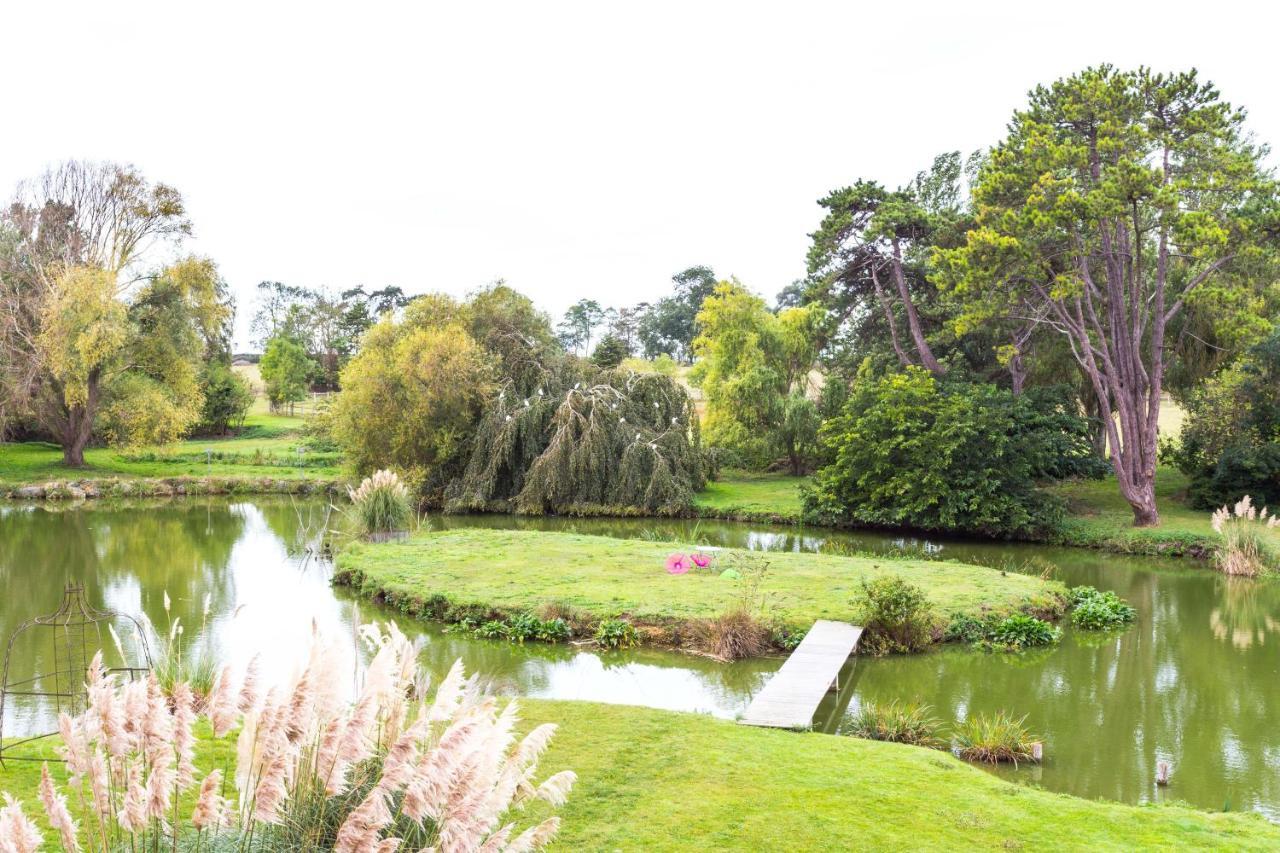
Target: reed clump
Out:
[382,503]
[1246,548]
[897,722]
[995,738]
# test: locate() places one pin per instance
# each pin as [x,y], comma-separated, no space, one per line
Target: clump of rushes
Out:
[1245,549]
[898,723]
[995,738]
[381,503]
[616,634]
[1092,610]
[308,770]
[735,634]
[1019,631]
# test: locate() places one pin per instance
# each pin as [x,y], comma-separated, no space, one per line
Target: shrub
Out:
[896,614]
[995,738]
[1097,611]
[964,628]
[1023,632]
[381,503]
[1246,548]
[899,723]
[910,451]
[311,773]
[616,634]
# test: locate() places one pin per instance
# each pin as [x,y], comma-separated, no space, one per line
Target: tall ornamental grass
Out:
[176,660]
[381,503]
[1246,547]
[312,771]
[995,738]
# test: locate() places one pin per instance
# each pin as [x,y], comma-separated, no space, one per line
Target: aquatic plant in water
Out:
[1245,549]
[1020,631]
[995,738]
[1092,610]
[311,771]
[898,723]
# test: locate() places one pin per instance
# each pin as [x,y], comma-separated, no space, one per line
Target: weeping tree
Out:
[584,440]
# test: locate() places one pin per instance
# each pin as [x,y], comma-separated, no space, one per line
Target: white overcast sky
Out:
[574,149]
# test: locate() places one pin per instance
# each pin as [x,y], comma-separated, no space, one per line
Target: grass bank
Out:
[476,573]
[1097,515]
[658,780]
[269,455]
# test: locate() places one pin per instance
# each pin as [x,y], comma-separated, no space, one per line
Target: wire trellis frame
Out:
[80,625]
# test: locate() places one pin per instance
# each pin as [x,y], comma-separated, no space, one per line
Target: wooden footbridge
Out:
[790,698]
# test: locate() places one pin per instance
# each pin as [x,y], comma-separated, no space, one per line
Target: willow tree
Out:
[585,440]
[1117,200]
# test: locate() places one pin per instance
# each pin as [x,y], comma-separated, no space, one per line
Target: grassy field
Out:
[657,780]
[267,446]
[750,495]
[512,571]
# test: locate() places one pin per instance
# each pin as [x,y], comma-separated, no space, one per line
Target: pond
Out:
[1196,682]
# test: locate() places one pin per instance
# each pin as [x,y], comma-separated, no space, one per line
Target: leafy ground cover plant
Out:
[616,634]
[1092,610]
[312,772]
[1020,631]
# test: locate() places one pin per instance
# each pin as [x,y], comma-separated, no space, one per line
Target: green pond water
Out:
[1196,682]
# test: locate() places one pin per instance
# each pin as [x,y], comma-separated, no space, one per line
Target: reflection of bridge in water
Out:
[791,698]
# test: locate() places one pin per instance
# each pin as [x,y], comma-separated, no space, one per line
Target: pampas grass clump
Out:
[382,503]
[1244,549]
[312,771]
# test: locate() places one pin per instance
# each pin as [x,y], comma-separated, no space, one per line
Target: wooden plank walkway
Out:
[790,698]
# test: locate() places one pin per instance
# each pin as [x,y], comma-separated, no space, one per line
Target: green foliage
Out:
[583,440]
[1230,440]
[669,326]
[995,738]
[1017,632]
[896,614]
[412,395]
[579,323]
[751,362]
[908,451]
[616,634]
[227,399]
[1092,610]
[906,722]
[610,352]
[286,370]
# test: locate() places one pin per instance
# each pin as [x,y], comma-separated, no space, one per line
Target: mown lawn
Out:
[517,570]
[267,446]
[658,780]
[750,494]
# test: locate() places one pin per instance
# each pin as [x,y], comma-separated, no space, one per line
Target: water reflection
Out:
[1195,682]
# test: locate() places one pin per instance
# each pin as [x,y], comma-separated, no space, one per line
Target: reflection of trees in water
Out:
[1115,704]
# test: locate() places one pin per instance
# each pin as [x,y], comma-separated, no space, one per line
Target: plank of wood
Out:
[790,698]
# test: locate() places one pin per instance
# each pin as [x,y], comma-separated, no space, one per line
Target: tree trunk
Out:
[76,437]
[913,318]
[889,319]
